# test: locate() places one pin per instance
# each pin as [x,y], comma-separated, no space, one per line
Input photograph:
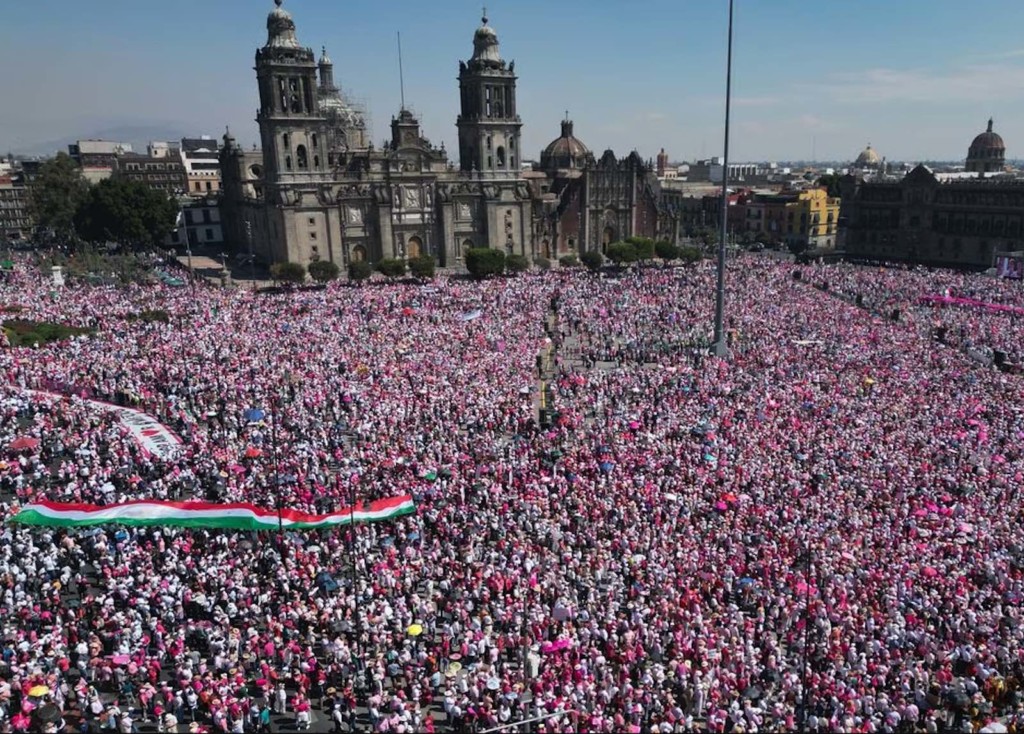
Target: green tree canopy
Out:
[126,212]
[622,253]
[517,264]
[323,271]
[644,247]
[391,267]
[569,261]
[56,194]
[592,259]
[286,272]
[689,255]
[666,250]
[483,262]
[422,267]
[359,270]
[830,182]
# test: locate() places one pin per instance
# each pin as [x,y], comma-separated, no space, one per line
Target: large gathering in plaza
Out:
[819,531]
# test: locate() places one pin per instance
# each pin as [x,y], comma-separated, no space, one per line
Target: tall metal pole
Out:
[720,346]
[401,72]
[276,407]
[252,258]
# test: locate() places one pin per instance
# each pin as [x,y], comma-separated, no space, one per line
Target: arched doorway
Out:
[545,249]
[607,238]
[414,247]
[358,254]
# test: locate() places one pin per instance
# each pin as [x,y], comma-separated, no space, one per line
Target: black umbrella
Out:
[48,714]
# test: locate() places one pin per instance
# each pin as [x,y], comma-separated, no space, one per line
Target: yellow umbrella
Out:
[415,630]
[454,667]
[38,691]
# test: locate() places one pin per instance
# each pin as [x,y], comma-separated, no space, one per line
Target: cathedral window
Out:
[313,140]
[288,163]
[287,140]
[490,162]
[316,162]
[300,155]
[488,142]
[501,156]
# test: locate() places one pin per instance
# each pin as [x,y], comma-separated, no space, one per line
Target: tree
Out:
[622,253]
[323,271]
[517,264]
[126,212]
[359,270]
[666,250]
[483,262]
[644,247]
[542,263]
[830,182]
[422,267]
[689,255]
[569,261]
[391,267]
[290,273]
[56,194]
[592,259]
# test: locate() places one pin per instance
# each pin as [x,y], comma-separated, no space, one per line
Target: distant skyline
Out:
[917,79]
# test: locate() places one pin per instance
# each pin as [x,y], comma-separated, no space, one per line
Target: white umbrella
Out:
[995,727]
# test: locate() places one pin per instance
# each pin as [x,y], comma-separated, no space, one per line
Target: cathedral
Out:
[320,190]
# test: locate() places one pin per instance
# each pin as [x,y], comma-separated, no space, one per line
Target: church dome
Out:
[987,141]
[987,153]
[281,28]
[868,158]
[565,151]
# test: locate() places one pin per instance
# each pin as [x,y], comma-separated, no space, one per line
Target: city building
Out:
[800,219]
[97,158]
[15,220]
[161,169]
[958,219]
[198,223]
[319,189]
[201,159]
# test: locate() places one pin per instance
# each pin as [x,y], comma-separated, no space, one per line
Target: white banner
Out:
[152,435]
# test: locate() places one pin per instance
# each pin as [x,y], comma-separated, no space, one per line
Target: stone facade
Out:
[319,189]
[961,223]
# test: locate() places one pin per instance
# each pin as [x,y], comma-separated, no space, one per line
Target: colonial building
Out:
[319,189]
[15,219]
[201,161]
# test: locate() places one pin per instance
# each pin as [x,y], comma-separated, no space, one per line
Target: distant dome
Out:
[868,158]
[565,151]
[987,152]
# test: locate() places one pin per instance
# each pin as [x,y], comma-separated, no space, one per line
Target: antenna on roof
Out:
[401,75]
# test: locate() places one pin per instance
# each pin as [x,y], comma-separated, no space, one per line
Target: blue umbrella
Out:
[254,415]
[606,466]
[746,581]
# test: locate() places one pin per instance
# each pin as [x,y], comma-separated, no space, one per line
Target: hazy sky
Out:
[915,78]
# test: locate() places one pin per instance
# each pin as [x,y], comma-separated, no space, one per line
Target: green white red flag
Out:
[231,516]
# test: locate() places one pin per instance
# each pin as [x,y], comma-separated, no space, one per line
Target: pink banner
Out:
[936,300]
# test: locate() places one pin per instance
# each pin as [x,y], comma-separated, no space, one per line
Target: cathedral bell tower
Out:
[489,127]
[291,124]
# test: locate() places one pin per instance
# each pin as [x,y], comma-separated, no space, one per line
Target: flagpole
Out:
[720,347]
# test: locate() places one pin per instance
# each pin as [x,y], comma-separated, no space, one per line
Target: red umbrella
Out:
[253,453]
[24,443]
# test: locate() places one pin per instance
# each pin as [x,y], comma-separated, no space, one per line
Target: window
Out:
[188,216]
[490,162]
[287,140]
[312,221]
[316,162]
[197,186]
[312,236]
[206,216]
[288,163]
[209,186]
[488,142]
[209,234]
[300,156]
[501,156]
[313,140]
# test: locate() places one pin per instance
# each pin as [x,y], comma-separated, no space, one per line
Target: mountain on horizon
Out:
[137,135]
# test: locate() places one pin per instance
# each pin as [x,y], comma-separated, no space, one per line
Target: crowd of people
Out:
[820,531]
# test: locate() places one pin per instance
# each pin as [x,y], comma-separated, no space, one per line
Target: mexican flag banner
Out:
[233,516]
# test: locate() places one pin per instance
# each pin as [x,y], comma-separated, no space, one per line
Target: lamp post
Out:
[720,346]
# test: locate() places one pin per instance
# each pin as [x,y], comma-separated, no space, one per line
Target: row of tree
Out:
[113,210]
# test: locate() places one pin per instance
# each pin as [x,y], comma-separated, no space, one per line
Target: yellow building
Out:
[819,218]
